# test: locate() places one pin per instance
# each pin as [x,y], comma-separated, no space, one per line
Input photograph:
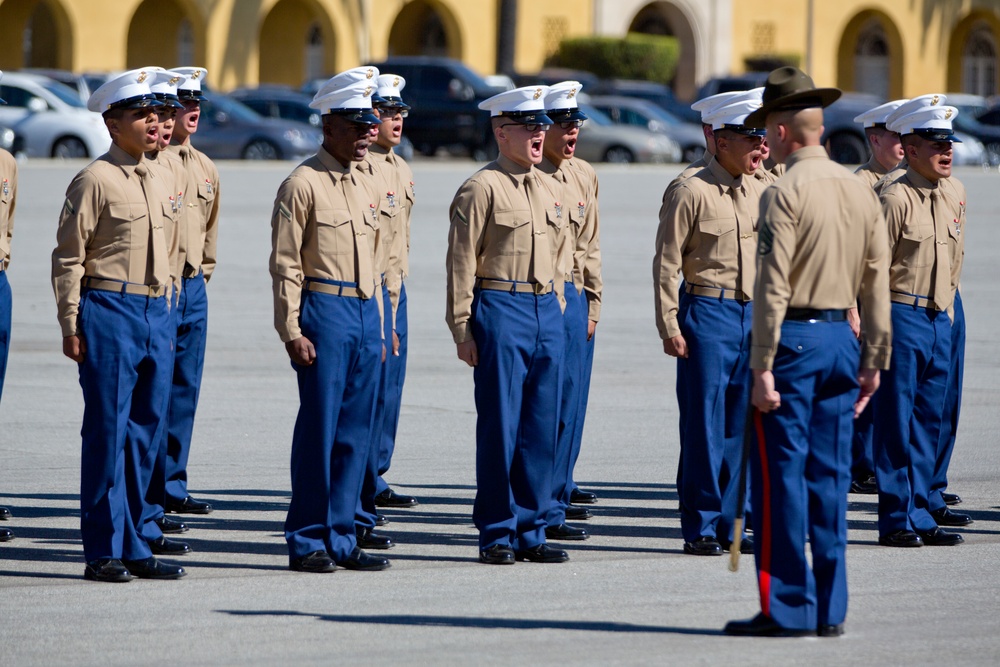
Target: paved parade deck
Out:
[627,596]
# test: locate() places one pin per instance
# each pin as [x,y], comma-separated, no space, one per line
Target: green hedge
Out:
[637,56]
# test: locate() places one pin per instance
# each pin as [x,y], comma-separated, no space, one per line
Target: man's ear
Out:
[113,126]
[499,134]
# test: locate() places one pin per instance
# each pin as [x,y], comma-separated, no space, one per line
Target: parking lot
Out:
[627,596]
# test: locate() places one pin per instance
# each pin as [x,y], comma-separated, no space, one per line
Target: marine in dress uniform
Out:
[503,308]
[328,313]
[399,201]
[887,152]
[925,228]
[196,261]
[582,289]
[707,235]
[705,107]
[821,246]
[8,201]
[112,277]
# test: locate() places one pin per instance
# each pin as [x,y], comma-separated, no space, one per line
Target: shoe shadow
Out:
[489,623]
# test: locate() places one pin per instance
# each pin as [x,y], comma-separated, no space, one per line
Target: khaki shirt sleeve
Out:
[212,228]
[876,317]
[468,213]
[11,204]
[593,283]
[77,222]
[289,218]
[776,246]
[677,216]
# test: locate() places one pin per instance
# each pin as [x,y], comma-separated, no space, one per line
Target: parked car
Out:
[657,93]
[637,112]
[844,139]
[733,82]
[7,138]
[77,82]
[553,75]
[445,96]
[971,152]
[601,140]
[973,116]
[50,119]
[228,129]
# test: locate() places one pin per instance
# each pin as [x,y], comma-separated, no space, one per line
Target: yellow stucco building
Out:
[892,48]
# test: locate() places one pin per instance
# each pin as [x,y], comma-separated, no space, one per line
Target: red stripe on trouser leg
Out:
[764,570]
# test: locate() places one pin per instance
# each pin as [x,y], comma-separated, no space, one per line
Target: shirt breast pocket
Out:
[206,199]
[115,229]
[917,246]
[334,231]
[719,237]
[513,232]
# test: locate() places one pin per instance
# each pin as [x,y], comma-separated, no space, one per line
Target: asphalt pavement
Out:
[628,596]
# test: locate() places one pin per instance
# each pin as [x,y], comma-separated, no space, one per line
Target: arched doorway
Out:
[666,18]
[296,43]
[164,31]
[425,28]
[979,61]
[35,33]
[870,56]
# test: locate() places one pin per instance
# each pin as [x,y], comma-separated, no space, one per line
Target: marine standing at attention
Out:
[505,314]
[821,245]
[327,310]
[112,277]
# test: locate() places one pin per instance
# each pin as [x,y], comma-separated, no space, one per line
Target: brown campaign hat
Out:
[790,88]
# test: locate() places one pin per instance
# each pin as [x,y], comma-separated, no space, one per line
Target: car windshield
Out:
[595,115]
[64,93]
[235,110]
[480,85]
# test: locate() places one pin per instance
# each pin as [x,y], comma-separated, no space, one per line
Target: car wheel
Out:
[261,149]
[68,148]
[619,154]
[848,149]
[692,153]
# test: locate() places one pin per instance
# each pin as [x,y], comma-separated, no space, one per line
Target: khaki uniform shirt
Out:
[175,180]
[498,232]
[107,222]
[401,179]
[323,226]
[8,200]
[822,245]
[200,232]
[707,233]
[578,182]
[871,172]
[390,233]
[925,222]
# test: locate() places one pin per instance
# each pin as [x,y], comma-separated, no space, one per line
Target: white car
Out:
[49,118]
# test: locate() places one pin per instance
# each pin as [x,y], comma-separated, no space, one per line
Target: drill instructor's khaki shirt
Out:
[200,232]
[323,226]
[495,233]
[578,182]
[8,201]
[708,234]
[105,229]
[914,233]
[822,245]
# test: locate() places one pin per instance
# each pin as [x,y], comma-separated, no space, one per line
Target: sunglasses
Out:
[530,127]
[571,124]
[392,112]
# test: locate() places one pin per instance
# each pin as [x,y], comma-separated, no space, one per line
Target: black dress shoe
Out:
[369,539]
[381,520]
[901,538]
[390,498]
[830,630]
[703,546]
[6,535]
[317,561]
[151,568]
[543,553]
[359,560]
[564,531]
[4,514]
[746,545]
[575,513]
[951,498]
[167,525]
[498,554]
[164,547]
[188,506]
[107,569]
[864,485]
[945,517]
[582,497]
[762,626]
[940,537]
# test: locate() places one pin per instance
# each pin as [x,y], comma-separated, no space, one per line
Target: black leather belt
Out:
[814,315]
